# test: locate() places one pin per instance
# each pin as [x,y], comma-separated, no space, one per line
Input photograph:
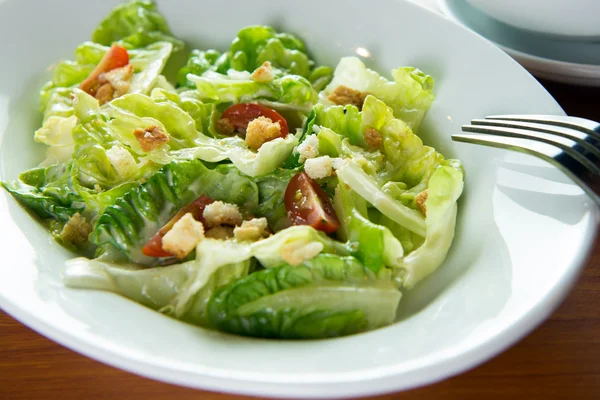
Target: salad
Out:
[253,192]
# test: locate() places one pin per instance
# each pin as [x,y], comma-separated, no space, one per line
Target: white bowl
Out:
[524,229]
[575,19]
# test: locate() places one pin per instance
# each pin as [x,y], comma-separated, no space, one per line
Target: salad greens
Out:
[260,194]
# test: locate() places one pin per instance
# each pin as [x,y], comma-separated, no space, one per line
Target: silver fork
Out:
[572,144]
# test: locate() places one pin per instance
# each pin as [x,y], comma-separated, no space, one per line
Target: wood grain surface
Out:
[560,359]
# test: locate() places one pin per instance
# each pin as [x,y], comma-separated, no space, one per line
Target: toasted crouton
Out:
[119,79]
[219,213]
[76,230]
[150,138]
[320,167]
[260,131]
[183,237]
[264,73]
[373,138]
[225,126]
[105,93]
[420,201]
[252,230]
[343,95]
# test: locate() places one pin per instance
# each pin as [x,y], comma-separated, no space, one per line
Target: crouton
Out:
[150,138]
[420,201]
[320,167]
[264,73]
[309,148]
[225,126]
[219,213]
[252,230]
[76,230]
[260,131]
[105,93]
[119,79]
[121,160]
[183,237]
[220,232]
[373,138]
[343,95]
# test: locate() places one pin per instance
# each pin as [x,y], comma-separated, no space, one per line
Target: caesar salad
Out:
[257,192]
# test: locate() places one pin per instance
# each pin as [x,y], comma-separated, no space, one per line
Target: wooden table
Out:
[560,359]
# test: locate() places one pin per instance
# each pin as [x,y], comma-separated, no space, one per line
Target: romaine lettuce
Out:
[159,288]
[374,245]
[444,189]
[67,75]
[135,217]
[47,191]
[291,92]
[136,23]
[323,297]
[410,94]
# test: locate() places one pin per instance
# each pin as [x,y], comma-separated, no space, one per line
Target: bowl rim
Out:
[380,380]
[447,364]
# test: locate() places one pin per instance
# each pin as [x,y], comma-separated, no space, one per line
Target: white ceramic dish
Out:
[576,19]
[567,61]
[523,233]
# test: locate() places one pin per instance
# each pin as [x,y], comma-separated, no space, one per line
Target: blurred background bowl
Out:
[570,19]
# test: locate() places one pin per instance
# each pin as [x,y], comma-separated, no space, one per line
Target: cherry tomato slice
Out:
[115,57]
[308,204]
[154,246]
[240,115]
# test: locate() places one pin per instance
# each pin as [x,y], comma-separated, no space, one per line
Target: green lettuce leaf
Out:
[298,241]
[290,92]
[47,191]
[271,190]
[199,62]
[135,217]
[374,245]
[325,297]
[267,159]
[135,24]
[390,184]
[250,49]
[257,44]
[56,95]
[320,77]
[204,114]
[410,94]
[159,288]
[56,132]
[363,184]
[406,161]
[93,168]
[444,188]
[133,111]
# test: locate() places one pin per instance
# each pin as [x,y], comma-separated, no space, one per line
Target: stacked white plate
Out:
[567,51]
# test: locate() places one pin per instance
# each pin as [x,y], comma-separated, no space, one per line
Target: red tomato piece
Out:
[154,246]
[115,57]
[308,204]
[240,115]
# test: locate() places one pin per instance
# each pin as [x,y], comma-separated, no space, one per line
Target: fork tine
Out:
[580,137]
[544,151]
[580,124]
[536,137]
